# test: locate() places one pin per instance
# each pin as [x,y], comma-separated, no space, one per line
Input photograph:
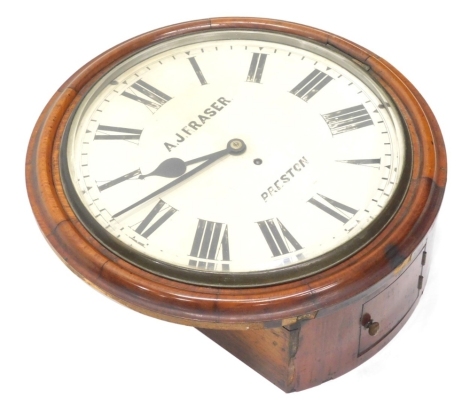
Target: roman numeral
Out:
[210,242]
[256,67]
[198,71]
[349,119]
[107,132]
[146,94]
[279,239]
[159,214]
[370,163]
[311,85]
[121,179]
[333,208]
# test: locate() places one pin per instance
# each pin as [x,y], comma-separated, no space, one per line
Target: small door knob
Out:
[369,324]
[373,328]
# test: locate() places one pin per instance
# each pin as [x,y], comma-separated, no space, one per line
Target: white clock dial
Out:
[234,153]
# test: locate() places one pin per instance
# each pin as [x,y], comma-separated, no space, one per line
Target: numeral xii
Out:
[256,67]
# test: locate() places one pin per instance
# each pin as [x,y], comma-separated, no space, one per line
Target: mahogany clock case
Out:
[245,275]
[338,291]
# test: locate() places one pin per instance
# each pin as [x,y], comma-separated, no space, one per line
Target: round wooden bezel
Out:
[236,308]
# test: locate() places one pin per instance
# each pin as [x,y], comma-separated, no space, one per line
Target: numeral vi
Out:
[210,243]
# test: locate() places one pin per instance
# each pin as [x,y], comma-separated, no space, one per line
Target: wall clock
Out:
[269,183]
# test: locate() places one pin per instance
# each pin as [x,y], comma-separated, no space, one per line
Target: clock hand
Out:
[175,167]
[170,169]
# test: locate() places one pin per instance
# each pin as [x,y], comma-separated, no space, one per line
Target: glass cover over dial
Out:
[235,158]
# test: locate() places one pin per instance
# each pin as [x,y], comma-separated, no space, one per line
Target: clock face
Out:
[235,158]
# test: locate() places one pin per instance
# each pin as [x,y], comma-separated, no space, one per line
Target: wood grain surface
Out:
[263,307]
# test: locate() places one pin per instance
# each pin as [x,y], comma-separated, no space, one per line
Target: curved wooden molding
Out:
[240,308]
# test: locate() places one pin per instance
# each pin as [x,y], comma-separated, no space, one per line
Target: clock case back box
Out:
[297,334]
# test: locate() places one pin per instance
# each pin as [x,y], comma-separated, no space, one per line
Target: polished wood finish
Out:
[314,309]
[317,349]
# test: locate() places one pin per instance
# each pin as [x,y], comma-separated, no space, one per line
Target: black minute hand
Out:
[174,167]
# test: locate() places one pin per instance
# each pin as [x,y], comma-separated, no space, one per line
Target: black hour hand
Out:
[175,167]
[171,168]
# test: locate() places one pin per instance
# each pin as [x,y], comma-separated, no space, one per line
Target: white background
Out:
[63,343]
